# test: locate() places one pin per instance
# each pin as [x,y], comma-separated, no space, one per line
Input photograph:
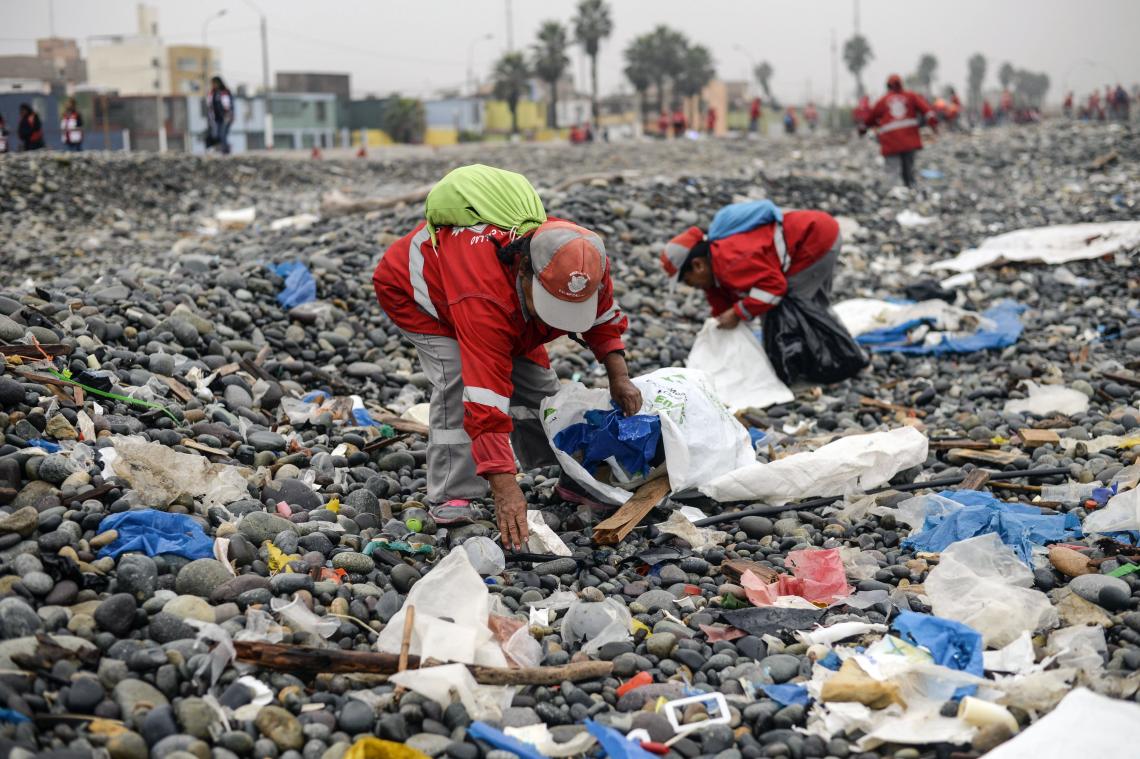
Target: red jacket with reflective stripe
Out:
[746,266]
[460,289]
[897,116]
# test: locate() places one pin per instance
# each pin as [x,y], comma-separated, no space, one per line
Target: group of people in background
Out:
[30,129]
[1115,106]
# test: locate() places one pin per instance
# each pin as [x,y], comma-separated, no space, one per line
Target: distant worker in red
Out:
[896,118]
[754,116]
[663,125]
[811,116]
[710,121]
[71,127]
[680,123]
[861,112]
[987,113]
[1067,107]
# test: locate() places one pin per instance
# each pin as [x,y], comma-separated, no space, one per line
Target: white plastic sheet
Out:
[856,462]
[981,582]
[702,440]
[699,538]
[596,624]
[1046,399]
[235,218]
[485,702]
[162,475]
[738,366]
[1083,724]
[860,315]
[454,591]
[1122,512]
[1049,245]
[542,539]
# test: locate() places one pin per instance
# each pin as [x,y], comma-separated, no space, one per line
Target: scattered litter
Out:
[1083,724]
[849,464]
[235,218]
[300,287]
[839,631]
[301,619]
[788,694]
[980,713]
[1046,399]
[542,539]
[442,682]
[818,577]
[156,533]
[375,748]
[1120,514]
[486,556]
[300,222]
[539,736]
[163,475]
[718,716]
[951,644]
[1016,657]
[614,744]
[1049,245]
[909,218]
[698,538]
[998,327]
[596,623]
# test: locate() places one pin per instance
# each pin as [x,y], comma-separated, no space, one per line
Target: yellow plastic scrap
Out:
[278,559]
[333,505]
[999,440]
[374,748]
[636,625]
[852,684]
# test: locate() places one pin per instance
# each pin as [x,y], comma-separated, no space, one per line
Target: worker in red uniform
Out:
[71,127]
[896,118]
[987,113]
[754,116]
[710,121]
[811,116]
[663,125]
[680,123]
[748,272]
[1005,105]
[861,113]
[1067,106]
[479,302]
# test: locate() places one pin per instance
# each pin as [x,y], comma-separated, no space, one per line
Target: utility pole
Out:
[510,29]
[51,18]
[160,117]
[267,122]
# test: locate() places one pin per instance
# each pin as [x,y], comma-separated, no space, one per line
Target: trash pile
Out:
[213,533]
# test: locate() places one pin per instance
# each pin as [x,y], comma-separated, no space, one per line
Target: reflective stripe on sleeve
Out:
[781,247]
[457,436]
[485,397]
[416,272]
[900,124]
[764,296]
[610,314]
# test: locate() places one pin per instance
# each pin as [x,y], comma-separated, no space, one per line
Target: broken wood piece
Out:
[1031,438]
[621,522]
[202,448]
[884,406]
[945,444]
[177,388]
[398,423]
[336,203]
[735,569]
[1104,159]
[999,458]
[381,443]
[975,480]
[1125,379]
[36,351]
[305,660]
[406,643]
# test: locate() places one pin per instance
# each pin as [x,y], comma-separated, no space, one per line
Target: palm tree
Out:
[404,119]
[639,68]
[668,48]
[924,76]
[512,78]
[1006,74]
[857,54]
[763,74]
[591,26]
[550,62]
[977,68]
[696,71]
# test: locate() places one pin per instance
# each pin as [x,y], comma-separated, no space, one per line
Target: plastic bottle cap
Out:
[414,524]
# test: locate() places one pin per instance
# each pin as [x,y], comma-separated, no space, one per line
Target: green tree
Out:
[925,74]
[763,74]
[550,62]
[404,119]
[668,50]
[1006,74]
[857,54]
[697,70]
[592,25]
[639,69]
[1030,87]
[512,79]
[977,68]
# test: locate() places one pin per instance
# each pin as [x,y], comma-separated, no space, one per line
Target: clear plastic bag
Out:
[1122,512]
[981,582]
[596,623]
[301,619]
[486,557]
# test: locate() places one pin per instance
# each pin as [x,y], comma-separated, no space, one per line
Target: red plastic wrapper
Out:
[716,633]
[635,682]
[817,576]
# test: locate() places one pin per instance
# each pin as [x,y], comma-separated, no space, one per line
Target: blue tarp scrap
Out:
[742,217]
[632,440]
[155,533]
[300,287]
[500,740]
[787,695]
[614,744]
[1007,329]
[952,644]
[1019,526]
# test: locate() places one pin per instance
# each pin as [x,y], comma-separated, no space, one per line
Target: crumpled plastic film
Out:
[982,583]
[437,683]
[162,475]
[849,464]
[595,624]
[1120,514]
[698,538]
[542,539]
[298,616]
[1080,647]
[1056,244]
[1083,724]
[155,533]
[1043,400]
[740,370]
[817,576]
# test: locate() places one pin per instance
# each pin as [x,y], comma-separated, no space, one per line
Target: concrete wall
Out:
[191,67]
[128,66]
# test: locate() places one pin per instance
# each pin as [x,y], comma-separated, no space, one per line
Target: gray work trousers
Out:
[900,168]
[814,282]
[450,468]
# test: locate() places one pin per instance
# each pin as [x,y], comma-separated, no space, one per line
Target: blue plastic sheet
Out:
[300,287]
[742,217]
[1007,329]
[47,445]
[155,533]
[1019,526]
[787,695]
[632,440]
[952,644]
[614,744]
[484,732]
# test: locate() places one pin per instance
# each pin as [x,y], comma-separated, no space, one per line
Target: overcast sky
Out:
[419,46]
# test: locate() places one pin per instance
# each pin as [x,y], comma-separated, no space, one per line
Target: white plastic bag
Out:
[1121,513]
[855,462]
[1045,399]
[738,366]
[485,702]
[1051,245]
[981,582]
[162,475]
[702,440]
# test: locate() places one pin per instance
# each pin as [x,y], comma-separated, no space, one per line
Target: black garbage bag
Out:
[804,340]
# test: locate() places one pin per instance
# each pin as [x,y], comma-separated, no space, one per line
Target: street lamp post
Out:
[471,59]
[206,48]
[267,124]
[751,63]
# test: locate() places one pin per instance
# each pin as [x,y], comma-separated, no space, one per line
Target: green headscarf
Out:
[479,194]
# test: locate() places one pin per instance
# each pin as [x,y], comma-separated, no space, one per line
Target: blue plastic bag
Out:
[742,217]
[952,644]
[300,287]
[614,744]
[787,695]
[155,533]
[1007,329]
[632,440]
[1019,526]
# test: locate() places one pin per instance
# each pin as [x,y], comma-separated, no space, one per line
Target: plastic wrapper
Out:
[698,538]
[817,577]
[542,539]
[1083,724]
[1080,647]
[739,368]
[301,619]
[701,439]
[452,607]
[982,583]
[539,736]
[155,533]
[837,632]
[804,340]
[163,475]
[300,287]
[858,564]
[607,437]
[486,557]
[438,683]
[1043,400]
[849,464]
[593,624]
[1121,513]
[1016,657]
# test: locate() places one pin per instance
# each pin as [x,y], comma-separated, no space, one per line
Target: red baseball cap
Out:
[569,265]
[676,251]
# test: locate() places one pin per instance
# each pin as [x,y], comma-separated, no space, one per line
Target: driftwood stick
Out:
[313,661]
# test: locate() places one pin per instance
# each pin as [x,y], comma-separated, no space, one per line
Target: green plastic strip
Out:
[125,399]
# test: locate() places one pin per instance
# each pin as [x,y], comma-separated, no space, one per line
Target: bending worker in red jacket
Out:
[896,118]
[479,301]
[747,273]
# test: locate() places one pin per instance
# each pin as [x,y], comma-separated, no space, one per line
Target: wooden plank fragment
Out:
[1036,438]
[621,522]
[999,458]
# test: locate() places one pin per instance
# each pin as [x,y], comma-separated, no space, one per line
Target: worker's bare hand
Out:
[510,511]
[625,395]
[728,319]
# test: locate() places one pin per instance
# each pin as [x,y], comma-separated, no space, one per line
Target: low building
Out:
[191,67]
[315,81]
[55,64]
